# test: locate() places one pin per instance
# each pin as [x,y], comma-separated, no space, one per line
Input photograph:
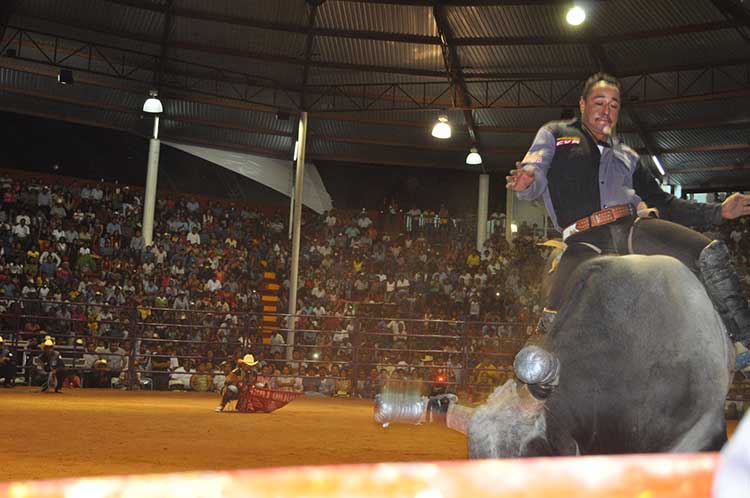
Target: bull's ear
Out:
[536,447]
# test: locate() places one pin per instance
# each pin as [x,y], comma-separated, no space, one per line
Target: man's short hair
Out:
[596,78]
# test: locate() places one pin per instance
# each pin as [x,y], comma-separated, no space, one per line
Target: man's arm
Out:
[529,180]
[670,207]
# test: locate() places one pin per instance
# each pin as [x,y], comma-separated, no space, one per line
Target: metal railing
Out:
[150,343]
[145,347]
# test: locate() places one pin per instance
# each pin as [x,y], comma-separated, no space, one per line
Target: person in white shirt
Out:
[398,329]
[180,376]
[194,237]
[330,220]
[364,221]
[21,230]
[97,194]
[277,341]
[24,217]
[58,233]
[213,285]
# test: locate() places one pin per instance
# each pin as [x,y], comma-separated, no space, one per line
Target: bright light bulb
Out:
[473,157]
[576,16]
[442,129]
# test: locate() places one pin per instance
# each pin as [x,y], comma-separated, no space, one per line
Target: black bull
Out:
[644,366]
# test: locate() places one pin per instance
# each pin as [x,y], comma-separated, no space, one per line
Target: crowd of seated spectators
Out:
[179,312]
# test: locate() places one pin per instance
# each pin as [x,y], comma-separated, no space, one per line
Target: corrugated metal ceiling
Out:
[224,42]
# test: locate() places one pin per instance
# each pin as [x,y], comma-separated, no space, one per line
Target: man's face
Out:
[600,110]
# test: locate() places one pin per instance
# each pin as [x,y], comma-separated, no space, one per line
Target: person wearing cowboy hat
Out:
[50,368]
[235,378]
[7,365]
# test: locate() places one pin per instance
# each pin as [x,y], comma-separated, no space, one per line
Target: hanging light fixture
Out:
[473,157]
[576,15]
[65,77]
[153,104]
[442,129]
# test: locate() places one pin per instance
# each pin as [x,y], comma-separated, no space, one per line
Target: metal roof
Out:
[375,75]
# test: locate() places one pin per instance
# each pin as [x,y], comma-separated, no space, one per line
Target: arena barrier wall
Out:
[631,476]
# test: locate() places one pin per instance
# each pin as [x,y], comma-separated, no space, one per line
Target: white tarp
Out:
[273,173]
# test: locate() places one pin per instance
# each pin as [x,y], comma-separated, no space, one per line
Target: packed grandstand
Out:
[383,295]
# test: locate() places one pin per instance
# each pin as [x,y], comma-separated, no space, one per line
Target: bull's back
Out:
[643,356]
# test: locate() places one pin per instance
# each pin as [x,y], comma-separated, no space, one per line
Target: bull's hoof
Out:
[437,406]
[536,366]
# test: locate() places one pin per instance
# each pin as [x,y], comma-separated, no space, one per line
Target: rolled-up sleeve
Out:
[538,160]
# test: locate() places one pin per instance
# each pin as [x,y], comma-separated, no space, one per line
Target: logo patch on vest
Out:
[567,141]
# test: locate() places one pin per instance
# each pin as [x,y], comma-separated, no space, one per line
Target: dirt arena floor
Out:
[99,432]
[96,432]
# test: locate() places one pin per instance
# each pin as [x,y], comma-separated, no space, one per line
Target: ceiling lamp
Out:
[153,104]
[473,158]
[442,129]
[576,15]
[65,77]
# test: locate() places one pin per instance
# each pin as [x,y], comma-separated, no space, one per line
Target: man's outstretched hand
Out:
[735,205]
[519,178]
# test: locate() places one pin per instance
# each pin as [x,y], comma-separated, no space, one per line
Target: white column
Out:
[152,175]
[299,181]
[484,196]
[509,201]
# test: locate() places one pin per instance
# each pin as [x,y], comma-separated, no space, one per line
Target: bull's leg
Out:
[710,260]
[723,286]
[555,295]
[708,434]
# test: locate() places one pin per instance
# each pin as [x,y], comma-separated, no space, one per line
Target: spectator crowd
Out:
[415,302]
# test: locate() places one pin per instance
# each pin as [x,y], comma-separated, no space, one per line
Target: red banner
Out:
[254,399]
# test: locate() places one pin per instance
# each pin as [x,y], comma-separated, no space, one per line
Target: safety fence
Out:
[160,348]
[350,355]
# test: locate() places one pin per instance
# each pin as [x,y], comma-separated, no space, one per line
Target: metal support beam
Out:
[592,39]
[510,198]
[152,175]
[229,88]
[309,41]
[7,9]
[166,29]
[455,72]
[482,209]
[710,169]
[299,182]
[206,15]
[735,11]
[472,3]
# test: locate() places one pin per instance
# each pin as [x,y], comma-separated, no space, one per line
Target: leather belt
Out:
[599,218]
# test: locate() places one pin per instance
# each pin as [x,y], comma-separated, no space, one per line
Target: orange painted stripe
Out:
[270,309]
[269,299]
[269,275]
[273,287]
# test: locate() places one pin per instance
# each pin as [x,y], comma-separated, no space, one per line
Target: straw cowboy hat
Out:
[1,339]
[427,358]
[248,360]
[48,343]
